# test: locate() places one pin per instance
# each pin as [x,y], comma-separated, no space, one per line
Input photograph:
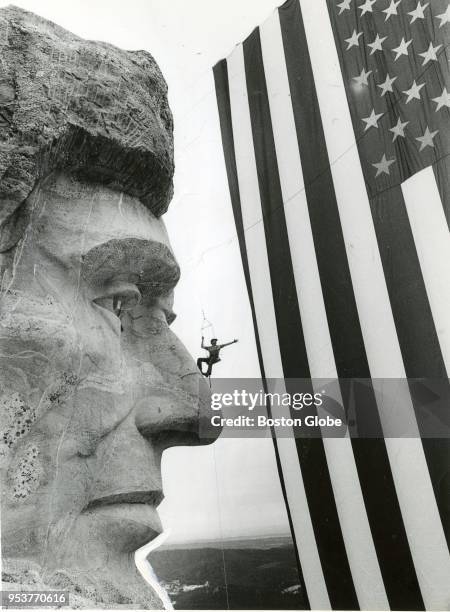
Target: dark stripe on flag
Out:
[319,491]
[371,457]
[414,322]
[226,127]
[442,174]
[413,318]
[223,102]
[349,351]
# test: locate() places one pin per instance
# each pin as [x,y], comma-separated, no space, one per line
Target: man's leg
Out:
[210,365]
[200,361]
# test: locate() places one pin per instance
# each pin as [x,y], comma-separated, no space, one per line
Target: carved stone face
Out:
[94,386]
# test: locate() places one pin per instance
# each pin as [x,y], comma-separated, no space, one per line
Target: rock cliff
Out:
[81,106]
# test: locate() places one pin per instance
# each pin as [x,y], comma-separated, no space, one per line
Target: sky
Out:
[231,488]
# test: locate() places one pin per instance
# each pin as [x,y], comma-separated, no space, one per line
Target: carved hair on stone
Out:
[84,107]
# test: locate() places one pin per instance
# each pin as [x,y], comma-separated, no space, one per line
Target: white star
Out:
[383,166]
[372,120]
[442,100]
[353,41]
[427,139]
[362,78]
[430,54]
[444,17]
[367,7]
[402,49]
[344,6]
[417,13]
[399,129]
[376,45]
[391,9]
[387,85]
[413,92]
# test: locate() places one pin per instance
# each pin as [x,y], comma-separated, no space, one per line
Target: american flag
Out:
[334,116]
[394,58]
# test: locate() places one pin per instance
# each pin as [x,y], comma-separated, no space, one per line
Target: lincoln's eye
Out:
[117,297]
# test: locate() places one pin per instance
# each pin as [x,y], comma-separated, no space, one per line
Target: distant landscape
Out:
[253,573]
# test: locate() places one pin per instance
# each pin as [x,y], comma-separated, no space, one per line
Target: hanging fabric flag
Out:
[335,127]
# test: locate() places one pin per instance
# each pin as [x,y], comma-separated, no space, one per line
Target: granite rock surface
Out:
[83,106]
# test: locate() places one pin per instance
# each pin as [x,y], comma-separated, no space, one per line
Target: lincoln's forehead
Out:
[106,230]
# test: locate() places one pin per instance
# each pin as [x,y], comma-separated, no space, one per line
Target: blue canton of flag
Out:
[395,61]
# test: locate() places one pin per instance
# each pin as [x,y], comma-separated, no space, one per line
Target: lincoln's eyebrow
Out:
[149,264]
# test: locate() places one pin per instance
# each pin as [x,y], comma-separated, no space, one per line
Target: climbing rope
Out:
[206,324]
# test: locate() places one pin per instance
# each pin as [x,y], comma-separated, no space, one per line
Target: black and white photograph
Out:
[225,304]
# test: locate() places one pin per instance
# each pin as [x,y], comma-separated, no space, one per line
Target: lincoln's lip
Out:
[137,508]
[149,498]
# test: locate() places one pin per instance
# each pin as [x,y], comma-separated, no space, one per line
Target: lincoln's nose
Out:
[177,411]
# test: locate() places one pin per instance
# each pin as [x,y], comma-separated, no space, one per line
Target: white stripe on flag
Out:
[432,240]
[409,468]
[347,491]
[261,285]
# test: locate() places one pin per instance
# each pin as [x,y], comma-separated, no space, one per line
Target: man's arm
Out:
[203,342]
[227,344]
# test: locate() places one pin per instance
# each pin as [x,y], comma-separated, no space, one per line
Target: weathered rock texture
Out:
[94,385]
[87,107]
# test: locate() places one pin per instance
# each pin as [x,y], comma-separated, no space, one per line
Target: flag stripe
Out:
[349,352]
[321,502]
[262,291]
[416,330]
[290,332]
[350,503]
[427,219]
[442,174]
[223,103]
[348,346]
[224,108]
[380,338]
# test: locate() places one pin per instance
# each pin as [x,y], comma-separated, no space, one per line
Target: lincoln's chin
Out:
[94,561]
[124,526]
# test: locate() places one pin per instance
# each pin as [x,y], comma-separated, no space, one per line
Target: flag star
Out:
[413,92]
[383,166]
[387,85]
[399,129]
[444,17]
[353,41]
[367,7]
[430,54]
[376,45]
[344,6]
[427,139]
[402,49]
[372,120]
[418,12]
[362,78]
[442,100]
[391,9]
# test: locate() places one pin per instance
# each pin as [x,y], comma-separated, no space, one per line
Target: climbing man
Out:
[213,358]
